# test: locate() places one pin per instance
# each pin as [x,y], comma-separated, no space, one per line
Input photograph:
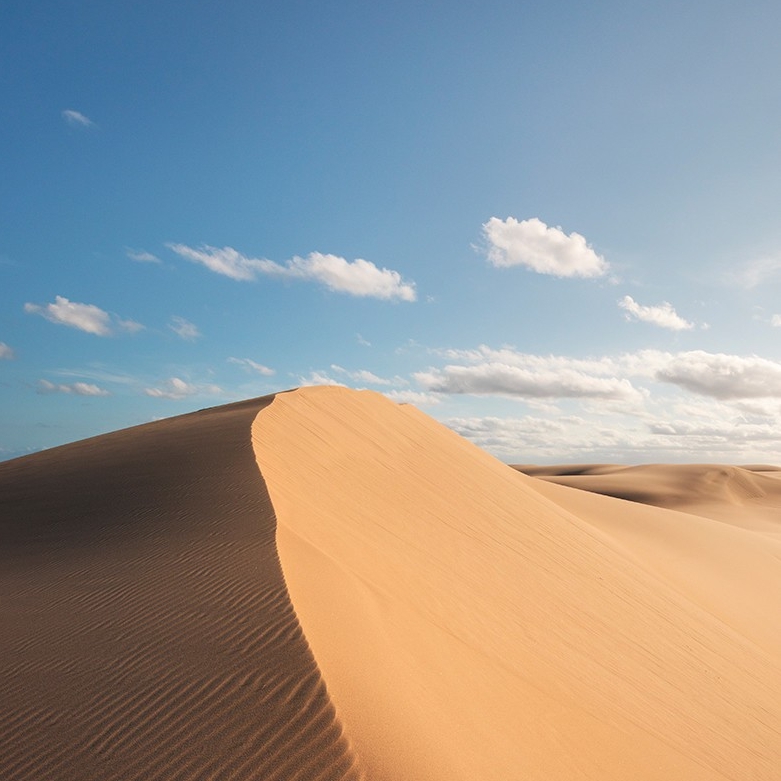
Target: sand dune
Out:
[471,626]
[146,629]
[379,599]
[711,490]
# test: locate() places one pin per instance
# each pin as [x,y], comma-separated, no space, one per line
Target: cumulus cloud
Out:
[184,328]
[77,388]
[531,243]
[85,317]
[6,353]
[252,366]
[359,277]
[504,380]
[141,256]
[662,315]
[723,376]
[76,118]
[506,372]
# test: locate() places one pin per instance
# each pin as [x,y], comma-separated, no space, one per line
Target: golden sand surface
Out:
[324,584]
[472,622]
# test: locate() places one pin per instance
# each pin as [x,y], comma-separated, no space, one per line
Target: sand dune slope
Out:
[469,625]
[146,632]
[710,490]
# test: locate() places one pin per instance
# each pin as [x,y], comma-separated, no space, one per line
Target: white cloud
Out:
[506,372]
[176,388]
[357,278]
[77,388]
[141,256]
[318,378]
[531,243]
[6,353]
[417,398]
[130,326]
[85,317]
[662,315]
[756,272]
[502,380]
[775,321]
[361,375]
[76,118]
[723,376]
[184,328]
[252,366]
[363,342]
[226,261]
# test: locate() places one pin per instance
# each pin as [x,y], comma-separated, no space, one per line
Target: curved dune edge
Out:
[147,633]
[470,626]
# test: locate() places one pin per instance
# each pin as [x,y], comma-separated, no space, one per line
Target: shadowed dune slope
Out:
[470,625]
[146,629]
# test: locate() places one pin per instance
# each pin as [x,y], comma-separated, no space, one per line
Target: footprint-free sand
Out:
[324,584]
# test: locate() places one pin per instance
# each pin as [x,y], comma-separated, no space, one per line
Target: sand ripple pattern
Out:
[146,629]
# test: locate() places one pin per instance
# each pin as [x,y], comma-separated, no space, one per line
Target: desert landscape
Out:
[325,584]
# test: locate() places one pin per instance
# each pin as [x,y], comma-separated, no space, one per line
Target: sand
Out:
[146,629]
[327,585]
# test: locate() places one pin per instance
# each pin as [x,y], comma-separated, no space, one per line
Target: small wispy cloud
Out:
[531,243]
[77,388]
[662,315]
[755,272]
[361,375]
[363,342]
[141,256]
[360,278]
[417,398]
[252,366]
[6,353]
[775,321]
[318,378]
[184,328]
[76,118]
[175,388]
[85,317]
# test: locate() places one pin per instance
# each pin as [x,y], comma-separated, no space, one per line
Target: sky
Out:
[553,227]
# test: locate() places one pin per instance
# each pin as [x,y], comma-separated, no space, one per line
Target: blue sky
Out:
[554,227]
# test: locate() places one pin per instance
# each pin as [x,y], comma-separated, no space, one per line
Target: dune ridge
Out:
[473,622]
[146,629]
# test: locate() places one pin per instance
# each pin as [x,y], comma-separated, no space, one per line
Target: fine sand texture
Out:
[472,622]
[324,584]
[145,628]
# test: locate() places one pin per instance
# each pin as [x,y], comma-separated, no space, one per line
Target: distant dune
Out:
[326,585]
